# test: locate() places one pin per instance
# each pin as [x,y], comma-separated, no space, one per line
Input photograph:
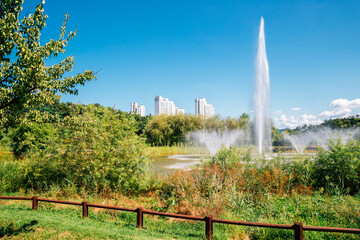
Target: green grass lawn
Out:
[18,221]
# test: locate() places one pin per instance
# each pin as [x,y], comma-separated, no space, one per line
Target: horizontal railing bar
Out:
[331,229]
[174,215]
[15,198]
[58,201]
[253,224]
[111,207]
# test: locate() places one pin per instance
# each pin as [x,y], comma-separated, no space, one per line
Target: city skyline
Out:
[163,105]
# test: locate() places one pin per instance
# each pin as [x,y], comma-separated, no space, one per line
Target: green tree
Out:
[25,79]
[30,137]
[158,131]
[277,139]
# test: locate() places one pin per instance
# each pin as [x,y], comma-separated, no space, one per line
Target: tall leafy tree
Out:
[25,79]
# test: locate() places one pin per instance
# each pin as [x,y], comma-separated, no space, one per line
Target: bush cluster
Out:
[338,168]
[96,151]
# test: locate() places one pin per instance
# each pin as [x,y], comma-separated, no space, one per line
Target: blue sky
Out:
[189,49]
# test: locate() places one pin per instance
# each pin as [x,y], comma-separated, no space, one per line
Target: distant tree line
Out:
[168,130]
[337,123]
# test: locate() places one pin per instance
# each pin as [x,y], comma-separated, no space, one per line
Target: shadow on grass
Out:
[11,230]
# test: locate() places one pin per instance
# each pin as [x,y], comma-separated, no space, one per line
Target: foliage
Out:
[311,210]
[163,130]
[339,167]
[141,123]
[25,79]
[4,141]
[96,150]
[337,123]
[32,137]
[228,158]
[348,122]
[277,138]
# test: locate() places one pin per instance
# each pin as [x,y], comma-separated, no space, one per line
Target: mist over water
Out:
[320,138]
[261,99]
[213,140]
[300,141]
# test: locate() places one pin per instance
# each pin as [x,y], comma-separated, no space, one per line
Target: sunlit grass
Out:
[18,221]
[176,149]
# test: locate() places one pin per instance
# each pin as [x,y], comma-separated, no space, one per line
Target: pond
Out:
[174,162]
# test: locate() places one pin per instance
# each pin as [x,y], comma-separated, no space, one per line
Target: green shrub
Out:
[339,167]
[97,151]
[230,158]
[27,137]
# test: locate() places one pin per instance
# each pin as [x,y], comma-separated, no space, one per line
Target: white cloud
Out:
[310,119]
[296,109]
[293,122]
[336,113]
[307,116]
[344,103]
[279,112]
[341,108]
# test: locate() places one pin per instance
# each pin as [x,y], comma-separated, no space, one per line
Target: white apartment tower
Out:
[179,111]
[167,107]
[203,108]
[137,108]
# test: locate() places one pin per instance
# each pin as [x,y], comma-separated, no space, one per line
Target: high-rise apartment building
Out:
[165,106]
[179,111]
[203,108]
[137,108]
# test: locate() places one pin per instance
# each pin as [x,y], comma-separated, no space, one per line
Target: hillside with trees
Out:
[336,123]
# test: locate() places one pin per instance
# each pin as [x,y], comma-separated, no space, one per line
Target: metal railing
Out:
[297,227]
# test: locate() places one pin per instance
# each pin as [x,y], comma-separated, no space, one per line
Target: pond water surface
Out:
[173,162]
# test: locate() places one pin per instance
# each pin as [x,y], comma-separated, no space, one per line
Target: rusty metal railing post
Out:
[298,229]
[85,209]
[139,219]
[209,227]
[34,202]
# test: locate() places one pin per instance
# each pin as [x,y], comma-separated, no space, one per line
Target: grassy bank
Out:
[176,149]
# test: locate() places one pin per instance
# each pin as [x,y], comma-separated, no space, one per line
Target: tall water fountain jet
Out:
[262,96]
